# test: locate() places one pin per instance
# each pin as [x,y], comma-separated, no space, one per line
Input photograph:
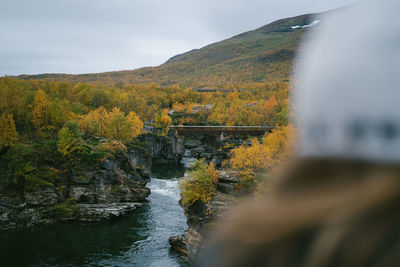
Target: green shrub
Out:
[69,140]
[24,168]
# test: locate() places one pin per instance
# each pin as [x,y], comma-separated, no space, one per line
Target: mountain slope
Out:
[261,55]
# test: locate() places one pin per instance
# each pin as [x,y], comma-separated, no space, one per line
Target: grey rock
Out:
[101,212]
[228,183]
[4,217]
[192,143]
[41,197]
[163,148]
[179,244]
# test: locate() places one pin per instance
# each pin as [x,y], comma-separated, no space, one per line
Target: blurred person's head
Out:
[347,85]
[339,203]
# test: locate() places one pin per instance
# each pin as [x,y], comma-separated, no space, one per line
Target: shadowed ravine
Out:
[139,239]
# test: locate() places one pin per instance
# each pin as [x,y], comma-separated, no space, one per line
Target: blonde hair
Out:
[320,212]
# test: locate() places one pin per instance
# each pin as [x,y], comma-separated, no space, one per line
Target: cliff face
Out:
[201,215]
[211,147]
[92,192]
[117,180]
[163,150]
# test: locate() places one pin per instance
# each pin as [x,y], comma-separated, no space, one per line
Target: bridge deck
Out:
[188,129]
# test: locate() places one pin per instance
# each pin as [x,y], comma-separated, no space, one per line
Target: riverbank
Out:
[200,216]
[139,238]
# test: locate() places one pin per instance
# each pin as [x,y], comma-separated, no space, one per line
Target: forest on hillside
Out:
[47,125]
[41,108]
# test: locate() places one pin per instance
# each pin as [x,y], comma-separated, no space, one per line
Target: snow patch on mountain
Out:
[315,22]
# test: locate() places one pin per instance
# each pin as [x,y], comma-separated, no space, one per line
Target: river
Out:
[138,239]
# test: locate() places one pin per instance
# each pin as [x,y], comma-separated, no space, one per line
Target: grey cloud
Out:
[81,36]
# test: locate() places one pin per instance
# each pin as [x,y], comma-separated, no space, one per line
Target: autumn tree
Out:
[183,108]
[274,149]
[136,125]
[114,124]
[69,140]
[8,133]
[58,114]
[102,97]
[252,157]
[162,121]
[121,127]
[282,113]
[94,122]
[218,115]
[279,144]
[268,110]
[200,183]
[40,110]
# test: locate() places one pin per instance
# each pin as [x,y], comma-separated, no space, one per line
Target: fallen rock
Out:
[228,182]
[101,212]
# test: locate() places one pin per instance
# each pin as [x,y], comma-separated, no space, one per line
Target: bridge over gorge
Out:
[221,130]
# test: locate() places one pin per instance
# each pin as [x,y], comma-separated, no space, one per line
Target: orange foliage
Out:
[274,149]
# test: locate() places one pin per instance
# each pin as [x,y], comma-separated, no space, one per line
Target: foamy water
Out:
[167,188]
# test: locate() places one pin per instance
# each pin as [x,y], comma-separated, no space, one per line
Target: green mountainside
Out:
[261,55]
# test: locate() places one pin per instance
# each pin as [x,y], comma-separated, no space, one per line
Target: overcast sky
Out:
[84,36]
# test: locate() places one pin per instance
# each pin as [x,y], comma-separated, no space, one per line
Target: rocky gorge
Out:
[113,186]
[118,185]
[102,190]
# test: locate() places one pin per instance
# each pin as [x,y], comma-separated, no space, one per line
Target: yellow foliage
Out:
[275,148]
[279,143]
[236,109]
[136,125]
[94,122]
[114,124]
[200,183]
[186,121]
[183,108]
[8,133]
[69,142]
[121,127]
[250,158]
[39,110]
[163,121]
